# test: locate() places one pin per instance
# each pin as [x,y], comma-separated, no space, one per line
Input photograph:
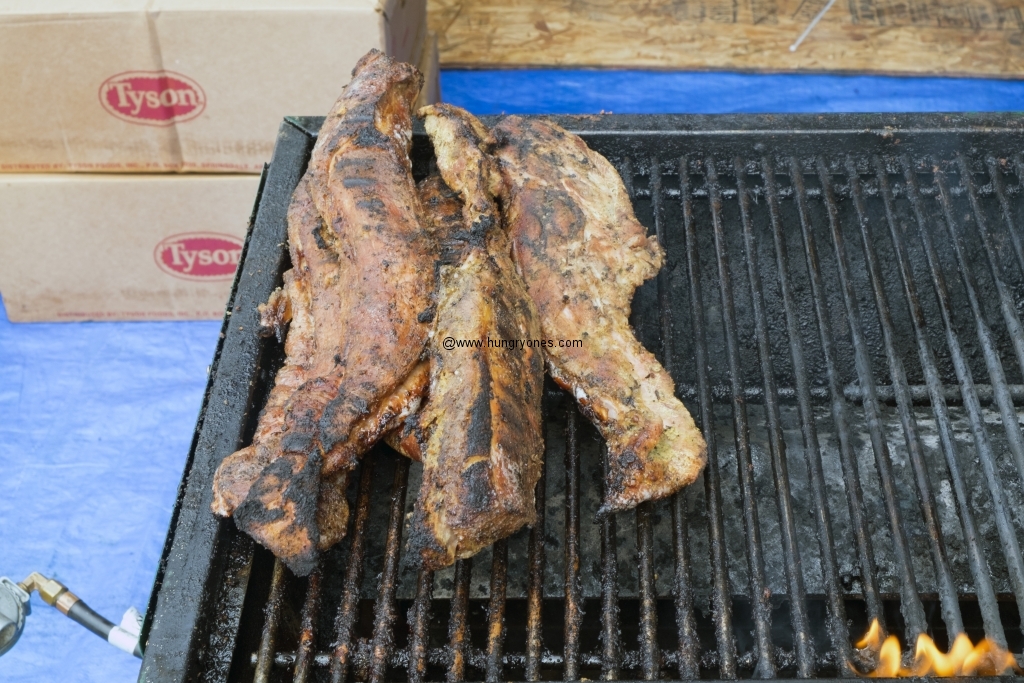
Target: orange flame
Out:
[963,659]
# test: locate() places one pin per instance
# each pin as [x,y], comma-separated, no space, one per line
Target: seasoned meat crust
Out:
[480,429]
[442,218]
[361,183]
[357,298]
[582,253]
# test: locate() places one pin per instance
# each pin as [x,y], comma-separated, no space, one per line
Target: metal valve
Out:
[14,606]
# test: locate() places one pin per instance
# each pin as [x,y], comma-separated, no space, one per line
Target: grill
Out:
[840,310]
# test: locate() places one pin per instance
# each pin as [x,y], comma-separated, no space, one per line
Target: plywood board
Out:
[948,37]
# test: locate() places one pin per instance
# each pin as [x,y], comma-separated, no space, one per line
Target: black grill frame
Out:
[212,582]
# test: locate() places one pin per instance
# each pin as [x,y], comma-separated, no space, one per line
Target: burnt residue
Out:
[295,501]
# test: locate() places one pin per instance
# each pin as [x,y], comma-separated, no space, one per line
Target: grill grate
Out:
[833,290]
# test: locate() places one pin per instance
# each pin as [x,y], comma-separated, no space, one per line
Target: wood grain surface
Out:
[948,37]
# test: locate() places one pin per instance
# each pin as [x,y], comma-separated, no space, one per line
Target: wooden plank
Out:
[948,37]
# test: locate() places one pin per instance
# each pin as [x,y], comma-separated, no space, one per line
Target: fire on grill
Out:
[987,658]
[540,245]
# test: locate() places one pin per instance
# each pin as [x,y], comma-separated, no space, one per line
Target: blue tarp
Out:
[96,418]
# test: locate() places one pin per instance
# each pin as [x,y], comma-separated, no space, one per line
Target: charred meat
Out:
[362,276]
[480,431]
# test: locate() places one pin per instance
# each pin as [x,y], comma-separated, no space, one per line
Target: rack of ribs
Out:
[582,253]
[366,294]
[480,432]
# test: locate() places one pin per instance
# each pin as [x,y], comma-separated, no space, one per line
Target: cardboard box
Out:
[121,247]
[179,85]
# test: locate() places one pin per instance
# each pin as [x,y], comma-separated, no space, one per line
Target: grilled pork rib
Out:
[367,293]
[481,439]
[582,253]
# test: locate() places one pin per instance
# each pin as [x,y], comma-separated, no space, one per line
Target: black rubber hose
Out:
[85,616]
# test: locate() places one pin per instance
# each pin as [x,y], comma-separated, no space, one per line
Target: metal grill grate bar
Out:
[946,587]
[979,568]
[721,592]
[609,591]
[758,588]
[496,610]
[345,618]
[384,607]
[912,608]
[419,622]
[1004,526]
[573,587]
[265,656]
[1004,204]
[535,587]
[650,655]
[458,624]
[307,632]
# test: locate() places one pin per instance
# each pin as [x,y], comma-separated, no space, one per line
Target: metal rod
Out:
[609,590]
[803,642]
[1006,300]
[650,661]
[664,310]
[847,458]
[983,447]
[1004,203]
[944,578]
[573,587]
[496,611]
[384,608]
[721,593]
[754,394]
[439,656]
[272,612]
[419,625]
[535,586]
[758,588]
[650,654]
[307,633]
[913,611]
[458,623]
[979,568]
[345,619]
[687,655]
[682,585]
[988,346]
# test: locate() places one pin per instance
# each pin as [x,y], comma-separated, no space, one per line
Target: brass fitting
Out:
[49,589]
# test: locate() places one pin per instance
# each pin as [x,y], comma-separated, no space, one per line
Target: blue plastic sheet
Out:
[96,418]
[559,91]
[95,423]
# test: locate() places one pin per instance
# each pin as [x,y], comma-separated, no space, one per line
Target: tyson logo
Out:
[199,255]
[152,98]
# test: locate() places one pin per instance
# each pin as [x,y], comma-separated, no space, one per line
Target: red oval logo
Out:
[199,255]
[152,98]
